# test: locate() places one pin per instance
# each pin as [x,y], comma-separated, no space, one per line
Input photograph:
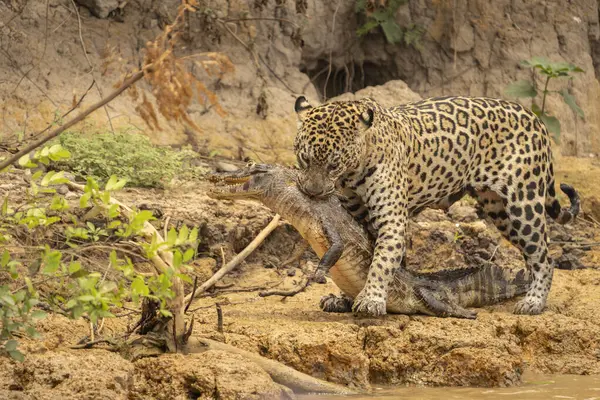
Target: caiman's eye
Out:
[302,161]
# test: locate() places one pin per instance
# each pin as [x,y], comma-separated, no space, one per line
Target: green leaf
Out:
[165,313]
[86,298]
[535,62]
[7,299]
[84,199]
[58,178]
[366,28]
[521,88]
[393,32]
[177,259]
[25,162]
[360,5]
[38,314]
[5,259]
[17,355]
[11,345]
[113,211]
[114,183]
[570,100]
[185,278]
[187,256]
[193,235]
[108,286]
[183,234]
[37,175]
[46,179]
[553,125]
[138,287]
[5,206]
[74,267]
[51,261]
[172,236]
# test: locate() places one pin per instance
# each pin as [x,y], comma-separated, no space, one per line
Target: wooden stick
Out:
[235,261]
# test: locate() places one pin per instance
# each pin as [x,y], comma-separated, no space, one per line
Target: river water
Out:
[534,387]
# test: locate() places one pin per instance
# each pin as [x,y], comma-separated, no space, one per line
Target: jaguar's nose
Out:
[311,189]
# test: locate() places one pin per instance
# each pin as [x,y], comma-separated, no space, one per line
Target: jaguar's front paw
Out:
[369,304]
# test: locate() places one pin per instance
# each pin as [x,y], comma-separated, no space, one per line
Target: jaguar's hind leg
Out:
[521,219]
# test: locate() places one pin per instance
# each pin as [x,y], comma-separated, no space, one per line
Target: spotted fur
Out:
[390,163]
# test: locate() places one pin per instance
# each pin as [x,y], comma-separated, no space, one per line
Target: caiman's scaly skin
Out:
[346,249]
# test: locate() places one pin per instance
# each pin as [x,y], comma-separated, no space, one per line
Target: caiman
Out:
[345,249]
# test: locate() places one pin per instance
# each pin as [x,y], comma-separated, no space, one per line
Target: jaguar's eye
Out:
[333,169]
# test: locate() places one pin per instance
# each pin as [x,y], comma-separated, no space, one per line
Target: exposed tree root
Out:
[280,373]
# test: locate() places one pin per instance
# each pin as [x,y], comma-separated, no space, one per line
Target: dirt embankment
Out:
[492,350]
[52,52]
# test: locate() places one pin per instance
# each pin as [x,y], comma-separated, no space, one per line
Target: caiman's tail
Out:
[480,286]
[553,207]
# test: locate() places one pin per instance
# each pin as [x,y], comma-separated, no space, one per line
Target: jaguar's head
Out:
[331,141]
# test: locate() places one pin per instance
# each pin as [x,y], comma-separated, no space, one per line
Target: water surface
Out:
[534,387]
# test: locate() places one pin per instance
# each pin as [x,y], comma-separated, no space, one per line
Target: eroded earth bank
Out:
[493,350]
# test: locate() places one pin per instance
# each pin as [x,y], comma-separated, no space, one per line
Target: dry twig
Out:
[235,261]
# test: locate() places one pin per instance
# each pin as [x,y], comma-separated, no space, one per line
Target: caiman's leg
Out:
[336,304]
[332,255]
[439,308]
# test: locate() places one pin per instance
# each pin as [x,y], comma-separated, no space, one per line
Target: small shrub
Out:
[129,156]
[383,14]
[525,88]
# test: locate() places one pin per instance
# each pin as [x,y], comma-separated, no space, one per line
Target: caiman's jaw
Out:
[250,182]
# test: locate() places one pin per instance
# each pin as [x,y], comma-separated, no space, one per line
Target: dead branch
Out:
[287,293]
[133,79]
[92,343]
[280,373]
[238,258]
[219,318]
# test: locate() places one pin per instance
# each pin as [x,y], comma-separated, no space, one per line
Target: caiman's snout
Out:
[246,182]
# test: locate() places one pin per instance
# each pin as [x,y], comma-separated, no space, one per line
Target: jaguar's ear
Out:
[366,117]
[302,107]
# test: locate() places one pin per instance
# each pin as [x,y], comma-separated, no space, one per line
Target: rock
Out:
[390,94]
[464,40]
[100,8]
[463,213]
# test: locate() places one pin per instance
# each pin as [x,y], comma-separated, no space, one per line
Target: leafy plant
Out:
[76,291]
[384,16]
[525,88]
[130,156]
